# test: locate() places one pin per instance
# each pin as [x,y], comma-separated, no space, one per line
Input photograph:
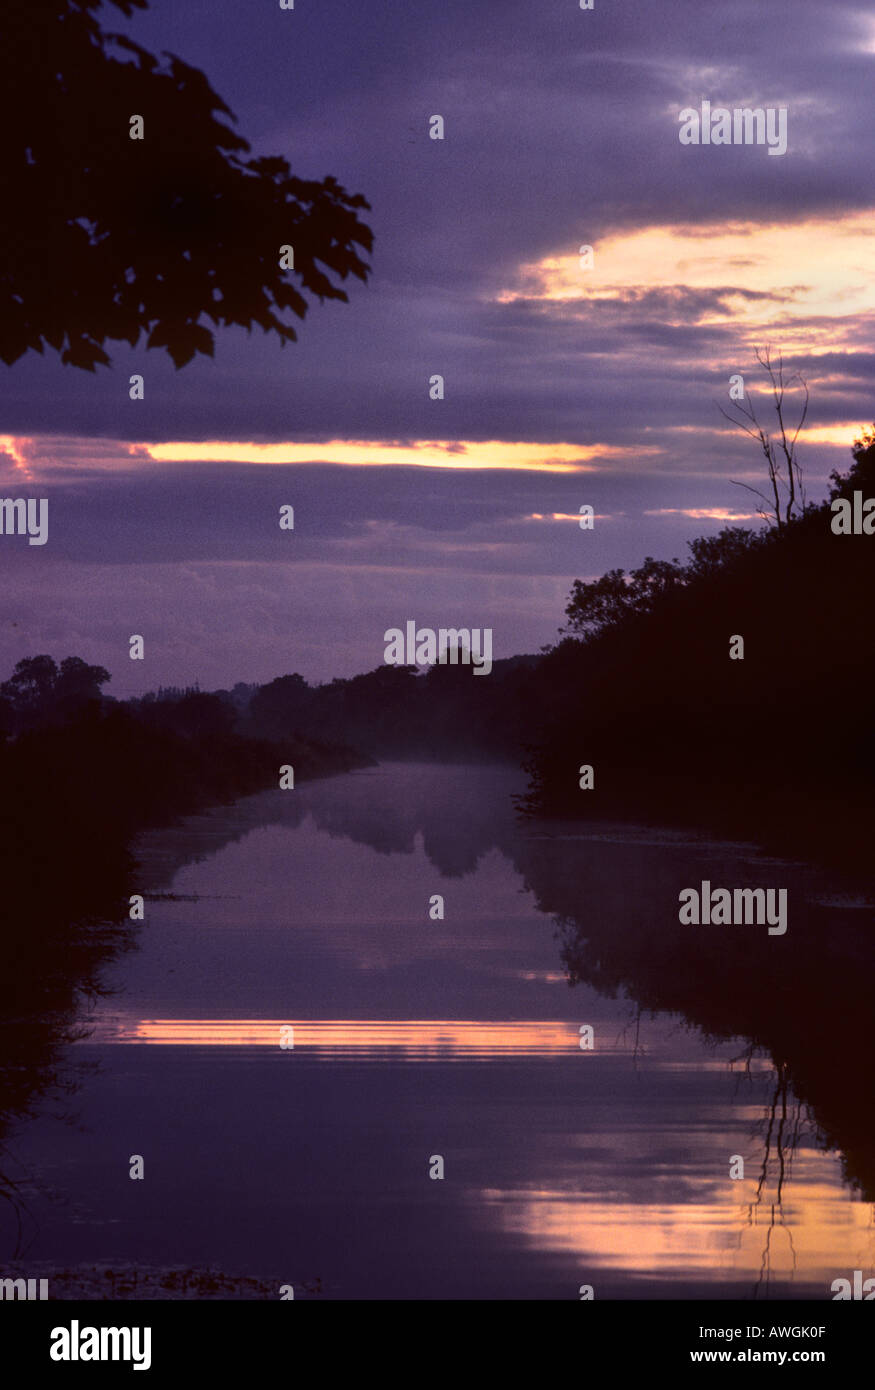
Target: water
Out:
[457,1038]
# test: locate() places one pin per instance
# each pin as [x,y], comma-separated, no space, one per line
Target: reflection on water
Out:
[351,1037]
[461,1038]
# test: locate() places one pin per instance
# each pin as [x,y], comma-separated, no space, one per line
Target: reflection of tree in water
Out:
[800,1000]
[14,1202]
[604,962]
[814,1096]
[780,1144]
[54,963]
[613,904]
[383,809]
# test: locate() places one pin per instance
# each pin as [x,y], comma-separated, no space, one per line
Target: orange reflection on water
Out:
[718,1230]
[410,1037]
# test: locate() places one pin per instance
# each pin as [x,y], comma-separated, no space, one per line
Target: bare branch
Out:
[745,418]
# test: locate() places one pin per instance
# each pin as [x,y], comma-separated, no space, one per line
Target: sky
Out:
[564,386]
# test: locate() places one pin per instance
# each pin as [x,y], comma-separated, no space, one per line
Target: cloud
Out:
[561,389]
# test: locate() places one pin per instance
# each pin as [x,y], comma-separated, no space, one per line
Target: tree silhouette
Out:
[109,237]
[32,684]
[616,597]
[38,690]
[861,475]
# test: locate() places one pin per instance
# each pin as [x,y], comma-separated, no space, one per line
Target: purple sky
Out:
[561,130]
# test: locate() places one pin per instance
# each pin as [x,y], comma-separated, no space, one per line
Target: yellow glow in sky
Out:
[477,454]
[16,447]
[704,513]
[823,265]
[566,516]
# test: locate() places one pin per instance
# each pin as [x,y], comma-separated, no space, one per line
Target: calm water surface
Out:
[461,1038]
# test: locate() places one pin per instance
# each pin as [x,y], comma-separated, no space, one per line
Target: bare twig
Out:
[782,464]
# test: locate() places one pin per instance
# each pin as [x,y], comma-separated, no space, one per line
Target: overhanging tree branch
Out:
[107,238]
